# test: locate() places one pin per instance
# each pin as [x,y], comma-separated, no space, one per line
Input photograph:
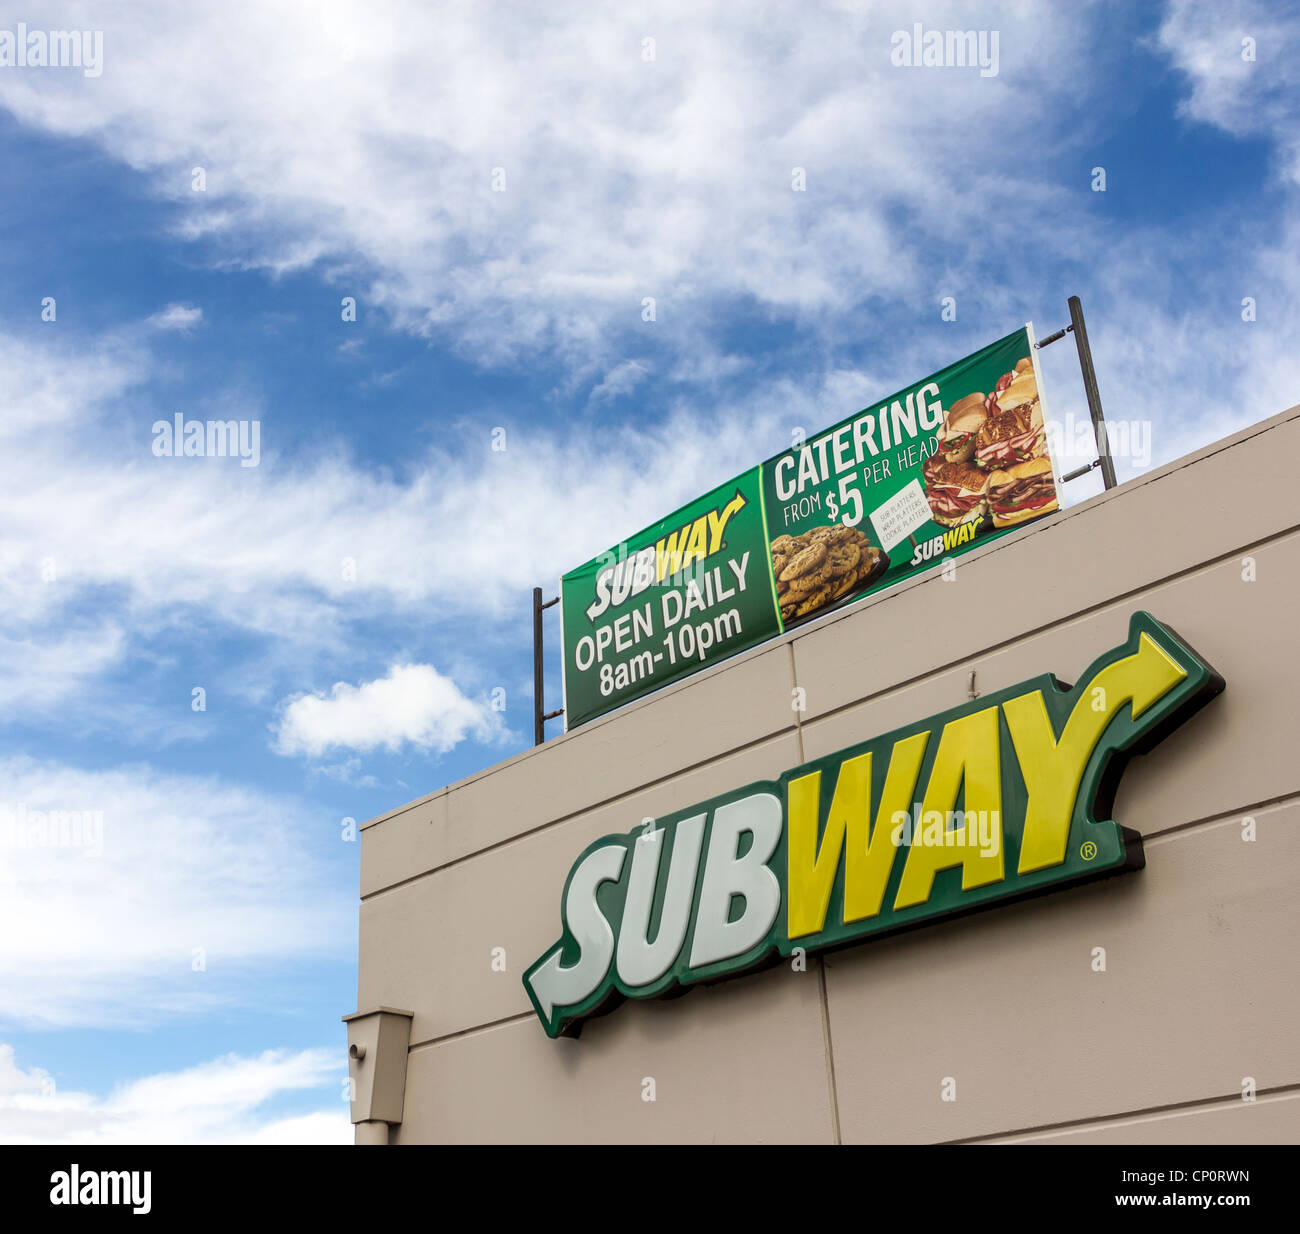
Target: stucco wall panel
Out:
[427,945]
[512,1083]
[1198,993]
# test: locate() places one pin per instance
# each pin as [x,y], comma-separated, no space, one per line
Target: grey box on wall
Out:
[378,1040]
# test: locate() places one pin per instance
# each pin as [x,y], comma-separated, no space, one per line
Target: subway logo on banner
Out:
[992,801]
[695,541]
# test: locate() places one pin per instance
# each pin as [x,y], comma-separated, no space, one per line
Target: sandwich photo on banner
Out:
[958,492]
[991,465]
[1022,491]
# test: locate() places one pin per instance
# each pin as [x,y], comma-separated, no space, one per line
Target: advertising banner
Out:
[952,462]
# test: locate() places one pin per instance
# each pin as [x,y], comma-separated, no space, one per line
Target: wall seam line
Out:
[427,1043]
[1221,819]
[1209,1103]
[830,1053]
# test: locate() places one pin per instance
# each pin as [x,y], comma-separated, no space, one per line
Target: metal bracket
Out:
[1079,329]
[540,714]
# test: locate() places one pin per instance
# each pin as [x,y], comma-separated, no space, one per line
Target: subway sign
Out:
[1004,797]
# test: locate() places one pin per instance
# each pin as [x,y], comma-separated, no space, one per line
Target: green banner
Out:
[953,461]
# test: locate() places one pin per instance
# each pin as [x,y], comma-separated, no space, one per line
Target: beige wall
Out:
[1201,984]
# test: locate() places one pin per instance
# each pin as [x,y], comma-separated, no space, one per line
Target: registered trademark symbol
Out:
[1088,850]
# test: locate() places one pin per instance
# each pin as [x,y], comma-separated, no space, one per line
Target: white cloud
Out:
[413,704]
[371,148]
[348,771]
[53,387]
[181,317]
[105,923]
[325,1127]
[1244,89]
[217,1102]
[38,672]
[620,380]
[264,548]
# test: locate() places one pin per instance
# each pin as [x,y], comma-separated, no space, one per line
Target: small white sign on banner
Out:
[901,515]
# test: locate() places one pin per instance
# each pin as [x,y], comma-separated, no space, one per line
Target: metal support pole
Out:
[540,714]
[1090,388]
[539,677]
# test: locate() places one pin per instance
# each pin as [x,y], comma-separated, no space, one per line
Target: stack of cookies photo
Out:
[821,566]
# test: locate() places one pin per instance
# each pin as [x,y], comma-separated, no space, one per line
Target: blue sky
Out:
[353,155]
